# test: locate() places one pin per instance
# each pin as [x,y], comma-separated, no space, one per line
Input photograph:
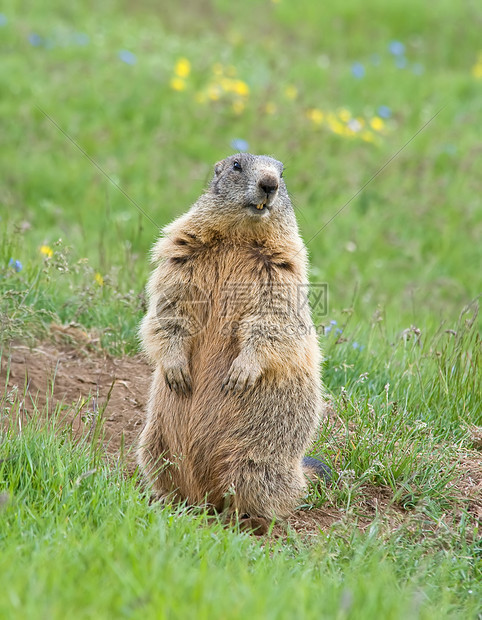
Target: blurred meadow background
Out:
[111,118]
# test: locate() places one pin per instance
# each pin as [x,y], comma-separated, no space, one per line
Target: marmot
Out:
[236,394]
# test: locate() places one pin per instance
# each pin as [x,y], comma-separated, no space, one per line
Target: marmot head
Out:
[250,187]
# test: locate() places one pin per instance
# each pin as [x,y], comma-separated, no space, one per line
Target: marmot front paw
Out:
[178,378]
[242,375]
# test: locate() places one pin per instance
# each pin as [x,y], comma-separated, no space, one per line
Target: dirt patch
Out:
[469,482]
[84,384]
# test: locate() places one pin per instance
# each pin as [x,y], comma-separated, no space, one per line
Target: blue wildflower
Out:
[358,346]
[128,57]
[238,144]
[401,62]
[338,331]
[3,19]
[384,111]
[80,38]
[327,329]
[333,322]
[397,48]
[358,70]
[15,264]
[35,39]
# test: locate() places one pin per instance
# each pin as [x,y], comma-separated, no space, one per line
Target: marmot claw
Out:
[178,379]
[241,376]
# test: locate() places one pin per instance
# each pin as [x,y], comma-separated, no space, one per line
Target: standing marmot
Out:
[236,395]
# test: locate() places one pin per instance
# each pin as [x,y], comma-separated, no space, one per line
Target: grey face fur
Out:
[250,182]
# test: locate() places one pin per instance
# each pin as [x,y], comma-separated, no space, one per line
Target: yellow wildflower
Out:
[335,125]
[177,83]
[270,108]
[291,92]
[377,124]
[182,68]
[338,128]
[99,279]
[316,116]
[241,88]
[344,115]
[46,250]
[367,136]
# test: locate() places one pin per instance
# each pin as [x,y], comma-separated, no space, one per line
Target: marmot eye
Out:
[237,166]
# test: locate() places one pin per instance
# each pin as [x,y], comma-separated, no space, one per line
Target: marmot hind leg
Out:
[315,469]
[263,490]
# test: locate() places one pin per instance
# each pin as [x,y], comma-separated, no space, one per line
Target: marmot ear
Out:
[218,168]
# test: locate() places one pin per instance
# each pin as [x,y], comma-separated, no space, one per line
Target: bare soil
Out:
[84,383]
[83,386]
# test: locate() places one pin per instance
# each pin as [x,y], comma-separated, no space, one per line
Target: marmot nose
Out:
[268,185]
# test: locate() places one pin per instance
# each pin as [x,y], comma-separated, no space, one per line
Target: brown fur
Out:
[236,394]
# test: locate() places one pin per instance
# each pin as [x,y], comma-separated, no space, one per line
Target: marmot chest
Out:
[239,280]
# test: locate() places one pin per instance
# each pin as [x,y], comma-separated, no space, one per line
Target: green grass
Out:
[78,535]
[401,259]
[420,218]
